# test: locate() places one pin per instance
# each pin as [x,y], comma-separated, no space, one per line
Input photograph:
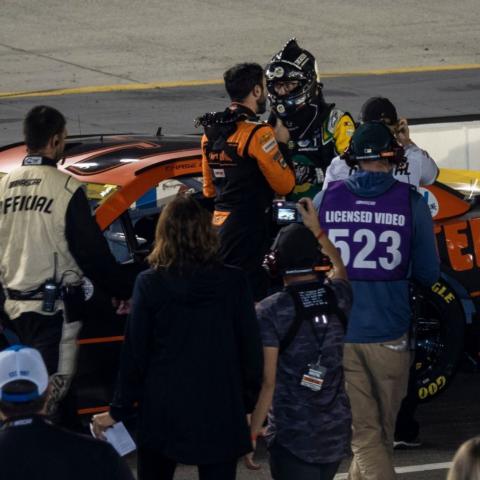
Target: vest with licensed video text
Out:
[33,204]
[373,234]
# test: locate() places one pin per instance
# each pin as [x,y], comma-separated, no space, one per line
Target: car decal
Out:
[102,162]
[145,179]
[463,244]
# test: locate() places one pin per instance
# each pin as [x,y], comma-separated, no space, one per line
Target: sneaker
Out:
[407,443]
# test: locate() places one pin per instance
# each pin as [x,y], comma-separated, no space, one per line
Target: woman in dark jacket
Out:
[192,357]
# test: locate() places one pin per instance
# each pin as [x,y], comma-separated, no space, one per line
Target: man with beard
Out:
[48,241]
[318,131]
[244,166]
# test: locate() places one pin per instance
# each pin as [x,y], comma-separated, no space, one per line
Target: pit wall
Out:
[453,145]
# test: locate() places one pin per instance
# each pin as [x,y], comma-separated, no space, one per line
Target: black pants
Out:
[152,465]
[244,240]
[44,332]
[286,466]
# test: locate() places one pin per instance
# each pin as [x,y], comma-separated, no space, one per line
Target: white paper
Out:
[119,438]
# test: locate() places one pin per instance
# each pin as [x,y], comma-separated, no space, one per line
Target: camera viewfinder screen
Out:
[286,214]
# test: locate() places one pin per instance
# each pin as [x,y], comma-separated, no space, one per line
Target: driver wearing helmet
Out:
[318,131]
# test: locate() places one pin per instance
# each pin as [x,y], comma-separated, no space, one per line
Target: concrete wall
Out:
[452,145]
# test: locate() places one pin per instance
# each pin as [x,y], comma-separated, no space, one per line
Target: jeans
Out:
[286,466]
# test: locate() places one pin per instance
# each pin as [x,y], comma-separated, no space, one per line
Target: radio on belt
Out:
[51,289]
[50,295]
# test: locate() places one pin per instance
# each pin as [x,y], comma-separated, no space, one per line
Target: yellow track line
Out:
[109,88]
[194,83]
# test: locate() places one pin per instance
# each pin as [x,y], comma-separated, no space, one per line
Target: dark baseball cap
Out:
[376,109]
[370,139]
[297,249]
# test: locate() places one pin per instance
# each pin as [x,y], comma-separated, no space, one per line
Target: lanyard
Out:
[313,319]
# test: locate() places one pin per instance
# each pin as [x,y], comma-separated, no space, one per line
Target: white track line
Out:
[410,469]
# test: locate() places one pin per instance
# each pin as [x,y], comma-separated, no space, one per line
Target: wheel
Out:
[440,330]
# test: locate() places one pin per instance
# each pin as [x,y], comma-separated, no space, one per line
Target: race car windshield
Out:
[97,193]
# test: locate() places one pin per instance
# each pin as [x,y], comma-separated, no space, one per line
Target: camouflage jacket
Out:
[314,426]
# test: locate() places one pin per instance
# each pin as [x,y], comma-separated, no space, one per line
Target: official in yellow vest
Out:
[48,241]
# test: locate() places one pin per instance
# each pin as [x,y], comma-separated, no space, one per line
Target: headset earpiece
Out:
[271,263]
[349,157]
[398,154]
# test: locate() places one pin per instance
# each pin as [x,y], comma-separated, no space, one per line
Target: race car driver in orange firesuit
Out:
[243,168]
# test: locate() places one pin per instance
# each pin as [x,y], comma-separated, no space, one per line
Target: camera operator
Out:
[48,241]
[384,231]
[417,169]
[302,329]
[243,167]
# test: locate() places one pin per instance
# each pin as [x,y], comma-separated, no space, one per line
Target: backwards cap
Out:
[22,363]
[373,141]
[376,109]
[297,249]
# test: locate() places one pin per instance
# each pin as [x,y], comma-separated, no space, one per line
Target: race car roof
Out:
[111,159]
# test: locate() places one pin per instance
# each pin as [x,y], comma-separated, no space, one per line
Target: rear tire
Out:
[440,330]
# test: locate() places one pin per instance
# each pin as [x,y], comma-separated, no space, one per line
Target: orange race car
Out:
[128,180]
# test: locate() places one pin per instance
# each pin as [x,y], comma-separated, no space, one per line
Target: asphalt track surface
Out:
[446,421]
[67,43]
[416,94]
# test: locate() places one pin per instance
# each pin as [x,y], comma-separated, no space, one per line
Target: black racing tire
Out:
[440,338]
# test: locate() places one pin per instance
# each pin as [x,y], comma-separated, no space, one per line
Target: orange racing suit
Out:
[243,168]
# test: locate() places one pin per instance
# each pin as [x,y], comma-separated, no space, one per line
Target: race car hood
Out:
[111,159]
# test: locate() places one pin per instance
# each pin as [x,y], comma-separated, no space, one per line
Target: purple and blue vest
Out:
[373,234]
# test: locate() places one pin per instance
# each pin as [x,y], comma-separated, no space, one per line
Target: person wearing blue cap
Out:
[30,446]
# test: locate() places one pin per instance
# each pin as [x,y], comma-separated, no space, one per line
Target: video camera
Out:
[285,212]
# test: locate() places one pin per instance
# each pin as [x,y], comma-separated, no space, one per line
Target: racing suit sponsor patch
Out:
[219,173]
[278,157]
[333,119]
[269,146]
[219,218]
